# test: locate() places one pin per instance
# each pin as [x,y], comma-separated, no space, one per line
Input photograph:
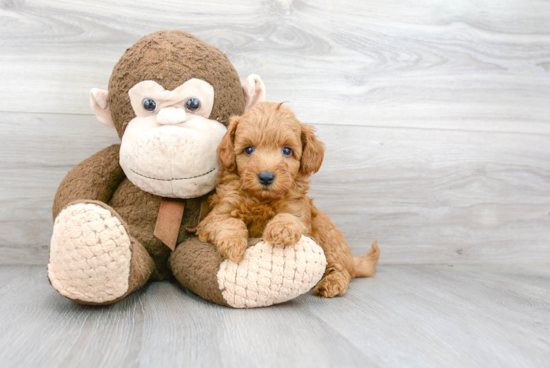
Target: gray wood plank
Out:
[436,196]
[450,181]
[433,64]
[159,326]
[534,275]
[34,160]
[41,328]
[443,316]
[427,196]
[409,316]
[184,330]
[51,140]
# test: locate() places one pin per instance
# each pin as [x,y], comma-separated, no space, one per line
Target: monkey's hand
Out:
[283,229]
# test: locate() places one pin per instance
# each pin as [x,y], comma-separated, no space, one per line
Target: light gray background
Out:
[436,116]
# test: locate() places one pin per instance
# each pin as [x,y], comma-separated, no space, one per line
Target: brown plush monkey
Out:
[128,214]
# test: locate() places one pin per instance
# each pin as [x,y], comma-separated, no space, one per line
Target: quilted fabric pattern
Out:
[271,274]
[90,254]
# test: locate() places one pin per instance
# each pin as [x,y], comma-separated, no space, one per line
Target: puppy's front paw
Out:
[333,284]
[233,248]
[282,232]
[202,234]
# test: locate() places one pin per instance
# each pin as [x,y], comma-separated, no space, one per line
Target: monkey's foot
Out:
[267,275]
[91,255]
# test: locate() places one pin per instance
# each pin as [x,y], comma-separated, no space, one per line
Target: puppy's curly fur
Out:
[268,139]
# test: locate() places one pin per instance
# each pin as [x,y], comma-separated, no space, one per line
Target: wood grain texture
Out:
[427,196]
[435,114]
[37,151]
[445,316]
[467,65]
[406,316]
[438,196]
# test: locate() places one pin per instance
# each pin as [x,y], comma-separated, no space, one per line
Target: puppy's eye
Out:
[192,104]
[149,105]
[249,150]
[286,151]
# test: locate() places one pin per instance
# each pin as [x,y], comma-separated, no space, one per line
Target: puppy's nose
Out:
[266,177]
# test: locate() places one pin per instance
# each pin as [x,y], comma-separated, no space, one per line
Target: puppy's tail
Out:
[365,266]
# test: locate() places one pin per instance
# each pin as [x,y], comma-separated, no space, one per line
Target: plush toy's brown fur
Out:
[279,212]
[170,58]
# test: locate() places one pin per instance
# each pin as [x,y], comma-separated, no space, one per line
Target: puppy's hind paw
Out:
[233,248]
[333,284]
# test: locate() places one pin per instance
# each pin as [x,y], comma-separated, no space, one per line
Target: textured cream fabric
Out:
[253,90]
[271,274]
[193,88]
[89,254]
[171,116]
[176,161]
[98,101]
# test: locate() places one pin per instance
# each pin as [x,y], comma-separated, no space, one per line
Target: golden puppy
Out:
[267,156]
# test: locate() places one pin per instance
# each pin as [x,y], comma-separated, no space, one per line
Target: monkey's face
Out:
[169,148]
[170,96]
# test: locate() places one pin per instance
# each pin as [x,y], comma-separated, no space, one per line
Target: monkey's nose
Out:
[171,116]
[266,177]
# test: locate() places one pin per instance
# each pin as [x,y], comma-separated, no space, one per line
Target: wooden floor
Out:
[406,316]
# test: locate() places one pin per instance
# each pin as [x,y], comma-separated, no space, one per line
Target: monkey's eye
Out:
[192,104]
[249,150]
[149,105]
[286,151]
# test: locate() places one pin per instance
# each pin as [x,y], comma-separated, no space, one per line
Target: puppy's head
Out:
[269,148]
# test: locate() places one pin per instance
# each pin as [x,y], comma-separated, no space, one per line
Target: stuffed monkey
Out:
[128,214]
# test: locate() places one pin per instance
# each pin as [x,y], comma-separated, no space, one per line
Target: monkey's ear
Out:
[313,153]
[226,149]
[98,101]
[253,91]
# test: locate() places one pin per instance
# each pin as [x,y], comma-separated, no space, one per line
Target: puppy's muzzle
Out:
[266,177]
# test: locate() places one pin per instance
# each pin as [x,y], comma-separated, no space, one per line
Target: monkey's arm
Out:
[95,178]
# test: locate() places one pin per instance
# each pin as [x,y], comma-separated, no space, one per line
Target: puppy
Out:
[267,156]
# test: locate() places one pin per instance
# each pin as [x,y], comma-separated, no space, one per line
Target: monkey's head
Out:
[170,98]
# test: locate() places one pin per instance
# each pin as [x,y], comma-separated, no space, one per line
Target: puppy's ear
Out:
[313,151]
[226,149]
